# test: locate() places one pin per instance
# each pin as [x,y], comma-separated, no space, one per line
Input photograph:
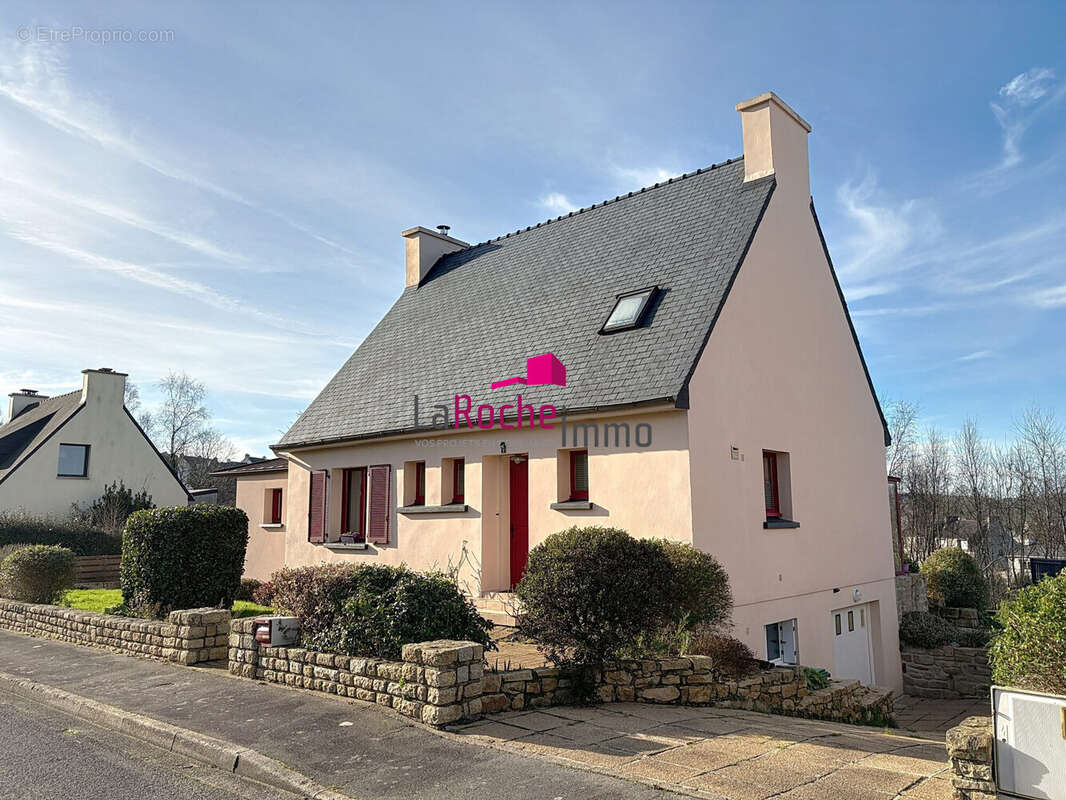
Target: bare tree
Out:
[182,428]
[1044,443]
[903,428]
[972,472]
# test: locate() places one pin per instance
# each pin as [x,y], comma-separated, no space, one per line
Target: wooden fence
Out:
[97,571]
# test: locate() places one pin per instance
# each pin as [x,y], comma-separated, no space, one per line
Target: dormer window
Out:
[628,311]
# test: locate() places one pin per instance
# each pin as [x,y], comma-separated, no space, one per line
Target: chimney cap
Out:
[770,97]
[443,229]
[29,392]
[105,371]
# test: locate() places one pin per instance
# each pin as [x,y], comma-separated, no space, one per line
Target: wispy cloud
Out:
[557,203]
[1019,100]
[1051,297]
[633,178]
[977,355]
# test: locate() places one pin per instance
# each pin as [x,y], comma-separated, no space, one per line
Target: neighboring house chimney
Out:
[775,143]
[21,400]
[424,247]
[103,386]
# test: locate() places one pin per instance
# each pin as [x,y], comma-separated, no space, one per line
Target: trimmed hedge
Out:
[375,609]
[37,573]
[953,579]
[81,538]
[183,557]
[1030,651]
[922,629]
[594,594]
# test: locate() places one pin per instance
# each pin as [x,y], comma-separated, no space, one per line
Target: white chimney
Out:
[104,386]
[22,399]
[775,143]
[424,247]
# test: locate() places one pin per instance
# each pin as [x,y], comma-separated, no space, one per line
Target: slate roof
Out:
[256,467]
[483,310]
[31,428]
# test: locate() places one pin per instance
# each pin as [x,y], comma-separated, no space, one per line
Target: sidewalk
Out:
[344,744]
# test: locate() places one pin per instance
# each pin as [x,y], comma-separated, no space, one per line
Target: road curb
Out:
[218,753]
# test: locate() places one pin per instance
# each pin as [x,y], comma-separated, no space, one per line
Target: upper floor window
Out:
[458,480]
[628,311]
[73,461]
[579,474]
[771,486]
[353,503]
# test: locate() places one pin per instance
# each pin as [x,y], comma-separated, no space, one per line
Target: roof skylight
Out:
[628,310]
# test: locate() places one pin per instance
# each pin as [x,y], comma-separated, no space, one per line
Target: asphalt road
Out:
[46,754]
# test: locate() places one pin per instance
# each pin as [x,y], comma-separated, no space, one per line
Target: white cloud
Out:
[1022,97]
[633,178]
[558,203]
[977,355]
[1051,297]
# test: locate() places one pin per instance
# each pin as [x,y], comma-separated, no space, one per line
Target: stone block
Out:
[661,694]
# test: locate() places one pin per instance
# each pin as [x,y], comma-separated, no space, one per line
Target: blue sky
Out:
[229,202]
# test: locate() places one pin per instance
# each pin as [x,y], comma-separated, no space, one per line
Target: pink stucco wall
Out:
[781,373]
[266,545]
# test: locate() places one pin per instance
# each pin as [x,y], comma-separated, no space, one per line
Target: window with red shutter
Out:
[770,485]
[579,475]
[458,481]
[420,483]
[316,521]
[275,506]
[380,504]
[353,503]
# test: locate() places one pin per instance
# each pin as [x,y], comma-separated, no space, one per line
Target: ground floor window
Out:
[275,506]
[781,643]
[353,503]
[579,474]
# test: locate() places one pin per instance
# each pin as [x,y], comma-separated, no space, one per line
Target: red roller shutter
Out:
[316,524]
[378,529]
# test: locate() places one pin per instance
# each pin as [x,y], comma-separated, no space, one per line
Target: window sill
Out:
[451,508]
[572,505]
[344,547]
[73,477]
[271,526]
[779,524]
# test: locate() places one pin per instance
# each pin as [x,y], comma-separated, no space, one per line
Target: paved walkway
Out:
[722,753]
[934,717]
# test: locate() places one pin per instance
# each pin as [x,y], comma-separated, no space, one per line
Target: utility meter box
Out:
[1030,731]
[277,631]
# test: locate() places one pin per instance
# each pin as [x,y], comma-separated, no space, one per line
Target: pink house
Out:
[707,386]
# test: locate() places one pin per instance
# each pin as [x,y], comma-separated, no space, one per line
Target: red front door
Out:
[519,518]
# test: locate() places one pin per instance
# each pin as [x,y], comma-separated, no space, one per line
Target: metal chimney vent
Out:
[443,229]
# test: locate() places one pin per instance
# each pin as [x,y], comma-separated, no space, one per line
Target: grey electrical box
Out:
[1030,732]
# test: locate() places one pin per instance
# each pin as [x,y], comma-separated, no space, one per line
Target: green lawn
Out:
[101,599]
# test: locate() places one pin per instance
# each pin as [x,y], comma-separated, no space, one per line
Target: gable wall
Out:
[118,453]
[781,372]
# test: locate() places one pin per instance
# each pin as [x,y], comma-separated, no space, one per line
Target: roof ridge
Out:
[609,201]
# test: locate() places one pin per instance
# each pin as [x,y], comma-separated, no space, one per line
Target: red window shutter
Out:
[275,506]
[378,529]
[316,523]
[769,480]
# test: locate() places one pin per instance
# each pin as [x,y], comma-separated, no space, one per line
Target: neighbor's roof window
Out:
[628,310]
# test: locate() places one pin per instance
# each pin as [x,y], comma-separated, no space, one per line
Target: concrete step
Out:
[499,617]
[875,696]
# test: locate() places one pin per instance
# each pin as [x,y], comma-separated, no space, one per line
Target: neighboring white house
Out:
[56,452]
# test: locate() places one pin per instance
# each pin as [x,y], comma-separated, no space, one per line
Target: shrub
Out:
[954,579]
[248,588]
[37,573]
[264,594]
[922,629]
[816,678]
[111,510]
[589,594]
[80,537]
[183,557]
[1030,651]
[731,657]
[702,596]
[375,609]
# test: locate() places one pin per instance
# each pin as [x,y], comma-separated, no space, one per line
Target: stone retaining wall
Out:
[436,682]
[948,672]
[911,594]
[186,637]
[970,750]
[690,681]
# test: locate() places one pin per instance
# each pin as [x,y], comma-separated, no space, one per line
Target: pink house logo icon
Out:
[542,370]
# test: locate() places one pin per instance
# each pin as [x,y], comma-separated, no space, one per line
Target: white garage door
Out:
[852,651]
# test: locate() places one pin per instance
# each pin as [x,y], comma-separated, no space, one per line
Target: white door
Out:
[852,651]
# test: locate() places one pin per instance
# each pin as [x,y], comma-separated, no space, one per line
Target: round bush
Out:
[589,594]
[922,629]
[702,597]
[183,557]
[373,610]
[731,657]
[37,573]
[953,578]
[1030,651]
